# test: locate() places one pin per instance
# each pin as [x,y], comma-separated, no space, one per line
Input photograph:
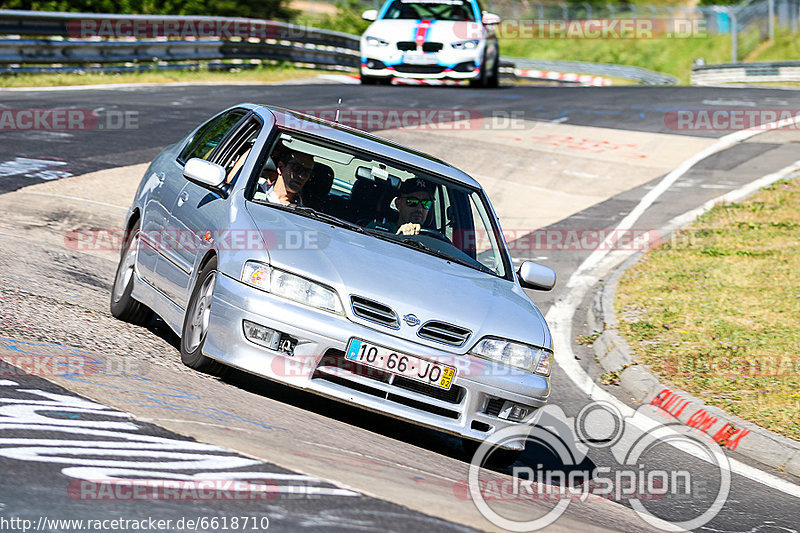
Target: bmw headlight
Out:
[466,45]
[530,358]
[374,41]
[290,286]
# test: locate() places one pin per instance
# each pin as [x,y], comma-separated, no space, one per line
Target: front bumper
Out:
[471,407]
[449,64]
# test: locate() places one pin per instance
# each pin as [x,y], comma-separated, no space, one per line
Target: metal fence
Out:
[757,72]
[758,16]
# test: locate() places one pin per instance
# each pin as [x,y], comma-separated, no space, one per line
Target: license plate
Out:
[409,366]
[420,59]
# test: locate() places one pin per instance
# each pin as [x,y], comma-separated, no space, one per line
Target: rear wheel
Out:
[195,323]
[123,306]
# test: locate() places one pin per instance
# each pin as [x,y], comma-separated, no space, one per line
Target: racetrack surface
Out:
[54,295]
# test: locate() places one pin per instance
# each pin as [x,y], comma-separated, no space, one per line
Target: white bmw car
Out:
[430,39]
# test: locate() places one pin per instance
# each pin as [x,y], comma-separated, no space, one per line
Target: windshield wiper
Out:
[325,217]
[413,243]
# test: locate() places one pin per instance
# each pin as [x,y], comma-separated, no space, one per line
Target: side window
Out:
[233,155]
[206,141]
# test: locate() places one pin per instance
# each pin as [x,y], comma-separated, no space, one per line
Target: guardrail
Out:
[641,75]
[130,42]
[746,73]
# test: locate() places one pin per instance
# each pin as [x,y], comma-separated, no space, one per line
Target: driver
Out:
[413,206]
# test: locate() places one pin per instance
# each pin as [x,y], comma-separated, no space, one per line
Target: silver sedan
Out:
[341,263]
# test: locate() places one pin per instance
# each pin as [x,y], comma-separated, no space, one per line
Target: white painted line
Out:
[483,177]
[560,315]
[104,86]
[65,197]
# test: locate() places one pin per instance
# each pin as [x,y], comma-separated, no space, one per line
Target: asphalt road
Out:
[158,116]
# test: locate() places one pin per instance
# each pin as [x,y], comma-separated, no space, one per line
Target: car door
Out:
[199,213]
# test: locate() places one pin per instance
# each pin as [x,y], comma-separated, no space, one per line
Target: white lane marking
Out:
[65,197]
[484,177]
[581,174]
[584,278]
[27,166]
[731,102]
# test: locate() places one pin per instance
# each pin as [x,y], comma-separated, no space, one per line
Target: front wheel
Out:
[494,78]
[195,323]
[123,306]
[481,80]
[496,458]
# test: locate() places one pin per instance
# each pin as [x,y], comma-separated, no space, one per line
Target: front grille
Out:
[406,46]
[419,69]
[444,333]
[494,406]
[334,360]
[454,395]
[374,312]
[431,47]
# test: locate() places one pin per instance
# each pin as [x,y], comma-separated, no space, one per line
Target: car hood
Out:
[440,31]
[407,280]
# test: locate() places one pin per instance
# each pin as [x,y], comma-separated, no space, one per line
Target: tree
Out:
[262,9]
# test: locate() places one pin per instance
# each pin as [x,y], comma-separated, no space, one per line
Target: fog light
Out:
[515,412]
[263,336]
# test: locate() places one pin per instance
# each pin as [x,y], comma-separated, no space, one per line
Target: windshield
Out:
[457,10]
[382,198]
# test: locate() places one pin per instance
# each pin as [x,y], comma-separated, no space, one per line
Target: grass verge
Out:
[258,74]
[670,56]
[716,310]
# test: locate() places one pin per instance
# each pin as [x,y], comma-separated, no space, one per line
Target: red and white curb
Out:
[546,75]
[570,77]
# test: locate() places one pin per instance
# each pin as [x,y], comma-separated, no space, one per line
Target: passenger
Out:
[293,170]
[413,206]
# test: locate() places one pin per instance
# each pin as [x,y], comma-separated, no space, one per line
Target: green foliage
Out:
[347,19]
[262,9]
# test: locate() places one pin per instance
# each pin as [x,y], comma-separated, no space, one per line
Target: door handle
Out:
[183,198]
[161,176]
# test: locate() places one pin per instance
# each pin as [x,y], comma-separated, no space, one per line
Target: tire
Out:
[497,458]
[123,306]
[369,80]
[195,323]
[493,80]
[480,81]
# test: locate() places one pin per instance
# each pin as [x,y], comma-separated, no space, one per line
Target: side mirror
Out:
[370,15]
[535,276]
[490,19]
[204,173]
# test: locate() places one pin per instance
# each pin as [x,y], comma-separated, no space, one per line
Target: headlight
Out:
[466,45]
[374,41]
[514,354]
[292,287]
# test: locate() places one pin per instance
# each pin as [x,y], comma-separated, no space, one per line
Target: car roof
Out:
[294,121]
